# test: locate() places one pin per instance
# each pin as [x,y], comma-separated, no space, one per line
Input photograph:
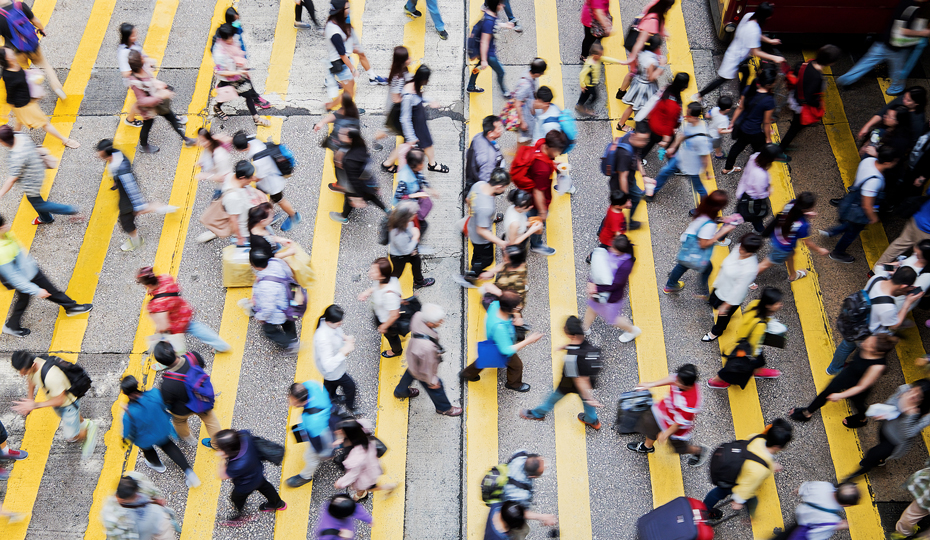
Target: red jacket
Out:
[665,117]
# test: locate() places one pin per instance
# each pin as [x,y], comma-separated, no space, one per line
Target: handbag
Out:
[35,78]
[216,219]
[509,116]
[163,107]
[225,93]
[489,356]
[597,29]
[299,263]
[809,115]
[408,306]
[692,256]
[426,204]
[752,209]
[632,34]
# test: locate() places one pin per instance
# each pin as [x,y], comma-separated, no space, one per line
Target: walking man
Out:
[174,393]
[26,167]
[423,357]
[269,178]
[314,427]
[270,299]
[482,212]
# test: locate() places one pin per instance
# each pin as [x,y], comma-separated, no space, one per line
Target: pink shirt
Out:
[650,23]
[587,16]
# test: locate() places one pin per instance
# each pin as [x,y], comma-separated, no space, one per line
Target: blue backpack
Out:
[609,159]
[283,158]
[200,394]
[568,125]
[22,31]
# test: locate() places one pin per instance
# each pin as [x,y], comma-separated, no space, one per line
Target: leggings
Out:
[756,140]
[171,450]
[399,262]
[589,92]
[250,95]
[300,7]
[265,488]
[588,40]
[842,382]
[793,130]
[714,84]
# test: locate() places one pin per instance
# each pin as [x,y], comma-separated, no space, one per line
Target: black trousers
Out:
[251,97]
[842,382]
[348,389]
[482,256]
[369,197]
[147,127]
[713,85]
[284,335]
[171,450]
[392,339]
[22,300]
[399,263]
[299,8]
[588,40]
[757,141]
[793,130]
[589,92]
[265,488]
[722,320]
[874,456]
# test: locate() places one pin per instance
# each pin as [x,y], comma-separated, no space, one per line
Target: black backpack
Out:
[727,462]
[269,451]
[282,157]
[853,321]
[80,381]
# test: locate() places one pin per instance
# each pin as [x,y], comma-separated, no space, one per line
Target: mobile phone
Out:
[888,267]
[915,290]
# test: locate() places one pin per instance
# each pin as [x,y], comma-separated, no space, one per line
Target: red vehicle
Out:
[808,16]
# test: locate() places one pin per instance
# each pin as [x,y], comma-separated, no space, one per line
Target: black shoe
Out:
[149,149]
[296,481]
[633,225]
[464,378]
[267,507]
[692,212]
[842,257]
[413,14]
[474,90]
[78,309]
[836,202]
[620,94]
[443,35]
[21,332]
[425,283]
[587,260]
[713,513]
[499,217]
[522,388]
[640,448]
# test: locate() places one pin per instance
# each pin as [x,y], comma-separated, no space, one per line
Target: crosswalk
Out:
[252,378]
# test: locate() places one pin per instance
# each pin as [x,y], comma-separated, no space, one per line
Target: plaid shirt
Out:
[919,486]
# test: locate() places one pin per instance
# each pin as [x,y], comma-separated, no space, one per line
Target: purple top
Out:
[624,266]
[755,181]
[329,522]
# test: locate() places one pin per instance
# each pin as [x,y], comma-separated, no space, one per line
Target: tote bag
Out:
[691,255]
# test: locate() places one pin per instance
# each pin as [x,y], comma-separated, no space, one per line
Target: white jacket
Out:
[735,276]
[327,342]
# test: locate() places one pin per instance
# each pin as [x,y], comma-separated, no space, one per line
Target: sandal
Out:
[71,143]
[707,338]
[797,414]
[798,275]
[624,128]
[259,121]
[753,286]
[855,423]
[390,170]
[731,171]
[438,167]
[218,113]
[392,355]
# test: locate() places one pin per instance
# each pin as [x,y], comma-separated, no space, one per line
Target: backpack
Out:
[609,159]
[22,31]
[384,232]
[727,462]
[282,157]
[473,44]
[594,361]
[568,125]
[200,394]
[296,296]
[269,451]
[77,377]
[853,321]
[520,168]
[492,485]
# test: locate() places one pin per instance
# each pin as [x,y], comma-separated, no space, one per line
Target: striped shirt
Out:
[26,165]
[679,407]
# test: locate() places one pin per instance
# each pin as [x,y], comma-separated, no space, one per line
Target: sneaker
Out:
[670,290]
[640,448]
[166,209]
[301,24]
[584,111]
[700,459]
[237,520]
[190,440]
[718,385]
[293,349]
[183,121]
[645,163]
[627,337]
[783,158]
[517,27]
[596,425]
[61,94]
[413,14]
[90,442]
[527,414]
[696,97]
[134,123]
[160,468]
[375,80]
[466,282]
[824,233]
[297,481]
[338,217]
[21,333]
[15,455]
[38,221]
[289,222]
[130,245]
[543,250]
[714,513]
[190,478]
[836,202]
[336,188]
[443,35]
[78,309]
[767,373]
[844,258]
[266,507]
[207,443]
[634,225]
[474,90]
[205,237]
[427,282]
[149,149]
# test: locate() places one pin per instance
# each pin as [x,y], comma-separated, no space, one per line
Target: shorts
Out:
[70,419]
[332,81]
[31,115]
[649,427]
[778,255]
[277,197]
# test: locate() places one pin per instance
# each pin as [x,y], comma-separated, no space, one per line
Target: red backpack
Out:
[520,168]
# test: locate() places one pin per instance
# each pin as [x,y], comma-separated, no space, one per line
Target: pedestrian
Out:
[718,120]
[524,99]
[26,45]
[138,511]
[354,161]
[665,116]
[914,100]
[697,243]
[549,118]
[808,93]
[859,207]
[481,47]
[241,463]
[614,223]
[413,118]
[752,121]
[260,233]
[627,162]
[731,285]
[509,275]
[330,348]
[649,25]
[789,226]
[854,382]
[27,167]
[7,453]
[128,42]
[412,185]
[747,41]
[915,230]
[232,70]
[299,6]
[172,315]
[606,288]
[597,23]
[590,77]
[906,414]
[499,328]
[153,98]
[884,313]
[146,424]
[19,271]
[919,260]
[484,154]
[361,463]
[239,197]
[919,486]
[232,19]
[516,224]
[338,516]
[342,41]
[482,213]
[820,513]
[131,202]
[755,186]
[893,47]
[26,110]
[270,299]
[410,8]
[45,373]
[523,468]
[503,518]
[755,469]
[646,83]
[268,176]
[386,299]
[672,418]
[175,395]
[535,168]
[215,160]
[343,119]
[689,154]
[894,132]
[749,340]
[424,353]
[316,419]
[404,237]
[582,363]
[397,78]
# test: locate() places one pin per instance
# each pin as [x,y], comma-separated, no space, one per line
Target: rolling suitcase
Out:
[680,519]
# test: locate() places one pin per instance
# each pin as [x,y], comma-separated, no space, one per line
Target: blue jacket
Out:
[147,421]
[501,332]
[245,469]
[316,416]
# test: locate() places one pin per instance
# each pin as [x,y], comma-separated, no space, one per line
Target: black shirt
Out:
[5,27]
[918,118]
[811,87]
[17,88]
[580,361]
[174,393]
[625,162]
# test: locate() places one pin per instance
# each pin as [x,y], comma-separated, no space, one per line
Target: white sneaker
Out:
[167,209]
[130,245]
[160,468]
[627,337]
[90,443]
[205,237]
[190,478]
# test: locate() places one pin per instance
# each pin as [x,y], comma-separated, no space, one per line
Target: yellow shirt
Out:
[591,72]
[753,473]
[754,325]
[55,382]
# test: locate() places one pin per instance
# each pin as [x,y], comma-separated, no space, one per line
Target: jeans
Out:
[437,395]
[22,300]
[850,233]
[70,420]
[46,208]
[206,334]
[265,488]
[636,193]
[284,335]
[672,168]
[912,59]
[433,7]
[536,240]
[509,12]
[348,389]
[498,69]
[147,127]
[680,270]
[590,413]
[879,52]
[718,494]
[843,350]
[171,450]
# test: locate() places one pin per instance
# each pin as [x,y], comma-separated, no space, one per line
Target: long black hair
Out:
[420,78]
[762,13]
[355,434]
[125,33]
[399,64]
[231,15]
[331,314]
[660,8]
[679,83]
[770,297]
[339,19]
[803,203]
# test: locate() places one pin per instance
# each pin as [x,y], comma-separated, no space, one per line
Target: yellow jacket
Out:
[752,323]
[753,473]
[591,71]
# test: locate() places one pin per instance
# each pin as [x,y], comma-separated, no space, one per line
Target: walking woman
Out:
[752,121]
[353,159]
[755,186]
[651,23]
[597,23]
[361,463]
[398,78]
[232,70]
[404,238]
[147,424]
[808,91]
[610,273]
[215,160]
[731,286]
[153,98]
[259,224]
[516,225]
[340,42]
[232,19]
[241,463]
[665,116]
[697,243]
[784,232]
[26,110]
[298,11]
[413,118]
[330,347]
[385,301]
[645,85]
[749,337]
[129,41]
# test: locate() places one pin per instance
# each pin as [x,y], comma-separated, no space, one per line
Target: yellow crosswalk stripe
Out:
[23,485]
[664,464]
[481,435]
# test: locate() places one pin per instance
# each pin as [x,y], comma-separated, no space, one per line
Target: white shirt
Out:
[122,58]
[748,36]
[703,227]
[327,342]
[869,179]
[882,315]
[115,162]
[331,30]
[735,276]
[717,121]
[386,299]
[266,170]
[543,127]
[823,494]
[923,280]
[511,216]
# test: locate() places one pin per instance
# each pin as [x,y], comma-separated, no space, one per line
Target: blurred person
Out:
[330,348]
[423,356]
[314,428]
[26,166]
[241,463]
[174,393]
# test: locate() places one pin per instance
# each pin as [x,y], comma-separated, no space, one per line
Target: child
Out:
[645,84]
[614,223]
[338,516]
[693,152]
[719,124]
[591,76]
